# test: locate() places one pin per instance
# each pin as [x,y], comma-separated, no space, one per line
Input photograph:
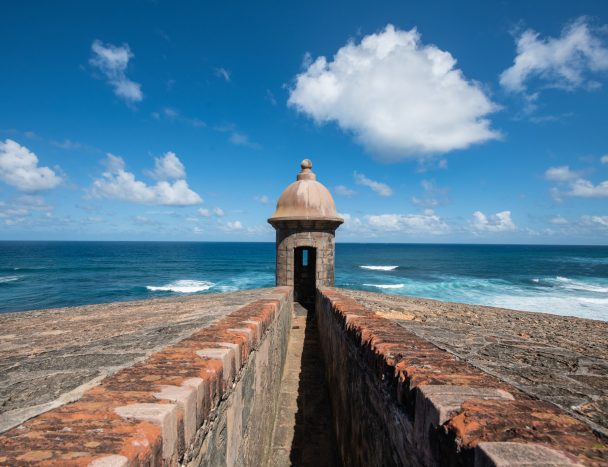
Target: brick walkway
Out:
[303,433]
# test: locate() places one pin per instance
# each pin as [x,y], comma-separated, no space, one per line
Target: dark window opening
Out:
[304,276]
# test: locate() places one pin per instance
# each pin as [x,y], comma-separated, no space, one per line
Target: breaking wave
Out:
[4,279]
[565,283]
[573,296]
[380,268]
[182,286]
[583,307]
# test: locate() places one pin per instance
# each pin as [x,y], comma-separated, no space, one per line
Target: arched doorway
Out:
[304,275]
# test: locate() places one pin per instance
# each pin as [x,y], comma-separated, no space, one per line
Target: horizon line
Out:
[337,242]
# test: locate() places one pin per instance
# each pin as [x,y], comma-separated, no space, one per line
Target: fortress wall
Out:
[208,399]
[397,399]
[242,430]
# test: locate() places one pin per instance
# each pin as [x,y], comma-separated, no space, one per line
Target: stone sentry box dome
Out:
[306,221]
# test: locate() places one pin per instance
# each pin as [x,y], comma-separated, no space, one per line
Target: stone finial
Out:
[306,173]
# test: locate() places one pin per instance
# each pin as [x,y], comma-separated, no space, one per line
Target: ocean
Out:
[566,280]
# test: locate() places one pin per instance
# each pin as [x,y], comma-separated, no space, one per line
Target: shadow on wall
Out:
[314,441]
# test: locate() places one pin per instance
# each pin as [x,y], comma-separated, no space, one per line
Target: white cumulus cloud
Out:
[602,221]
[562,173]
[427,222]
[118,183]
[177,193]
[112,61]
[168,167]
[19,168]
[574,185]
[400,97]
[381,188]
[563,62]
[21,210]
[499,222]
[234,225]
[218,212]
[586,189]
[604,159]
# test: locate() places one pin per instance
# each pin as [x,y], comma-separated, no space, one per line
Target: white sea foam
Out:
[182,286]
[562,296]
[4,279]
[559,305]
[379,268]
[595,301]
[589,287]
[571,284]
[536,280]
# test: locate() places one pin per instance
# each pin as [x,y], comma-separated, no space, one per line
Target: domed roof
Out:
[306,199]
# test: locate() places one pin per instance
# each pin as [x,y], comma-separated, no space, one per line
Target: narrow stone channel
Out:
[303,432]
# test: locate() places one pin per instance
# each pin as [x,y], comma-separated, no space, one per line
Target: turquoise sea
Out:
[568,280]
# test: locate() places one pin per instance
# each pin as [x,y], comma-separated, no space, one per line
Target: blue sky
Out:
[479,122]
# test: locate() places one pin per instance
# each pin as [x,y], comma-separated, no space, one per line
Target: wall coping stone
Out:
[474,418]
[150,412]
[508,454]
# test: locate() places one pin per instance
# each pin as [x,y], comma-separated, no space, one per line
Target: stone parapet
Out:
[562,360]
[207,399]
[398,399]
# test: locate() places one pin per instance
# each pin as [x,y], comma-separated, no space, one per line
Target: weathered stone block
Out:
[225,356]
[112,460]
[520,455]
[436,404]
[163,415]
[186,399]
